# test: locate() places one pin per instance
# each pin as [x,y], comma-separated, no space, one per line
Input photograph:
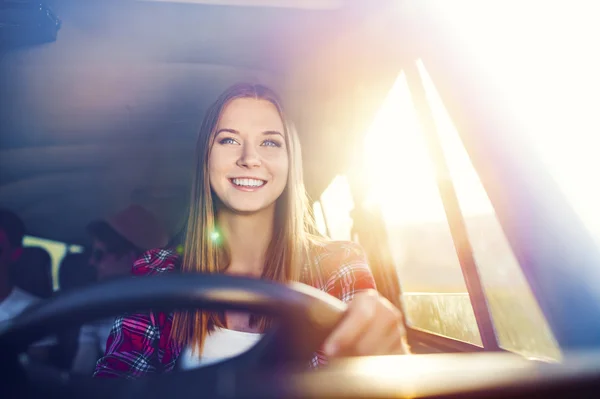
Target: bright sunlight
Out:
[394,140]
[541,56]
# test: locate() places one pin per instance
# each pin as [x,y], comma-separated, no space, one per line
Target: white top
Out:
[15,304]
[219,345]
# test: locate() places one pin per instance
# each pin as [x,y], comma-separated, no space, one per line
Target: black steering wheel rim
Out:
[305,316]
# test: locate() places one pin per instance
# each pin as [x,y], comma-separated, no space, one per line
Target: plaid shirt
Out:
[341,271]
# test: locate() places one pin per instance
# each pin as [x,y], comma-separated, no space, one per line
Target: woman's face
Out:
[248,163]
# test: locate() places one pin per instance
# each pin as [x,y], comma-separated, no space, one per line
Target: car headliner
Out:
[108,114]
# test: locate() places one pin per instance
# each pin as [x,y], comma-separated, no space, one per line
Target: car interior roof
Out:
[108,114]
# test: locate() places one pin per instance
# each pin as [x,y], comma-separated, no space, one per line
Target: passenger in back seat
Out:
[14,300]
[117,242]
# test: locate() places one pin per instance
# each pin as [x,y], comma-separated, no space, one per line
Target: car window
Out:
[56,249]
[518,320]
[336,202]
[402,184]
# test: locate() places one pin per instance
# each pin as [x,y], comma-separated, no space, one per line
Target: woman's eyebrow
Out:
[232,131]
[273,133]
[266,133]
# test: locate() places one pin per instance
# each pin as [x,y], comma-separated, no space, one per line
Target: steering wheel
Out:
[303,315]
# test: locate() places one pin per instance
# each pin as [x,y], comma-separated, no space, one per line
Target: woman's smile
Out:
[248,184]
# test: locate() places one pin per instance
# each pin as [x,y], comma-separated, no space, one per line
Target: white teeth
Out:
[248,182]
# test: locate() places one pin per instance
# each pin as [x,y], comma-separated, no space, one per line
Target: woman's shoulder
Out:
[333,255]
[342,268]
[327,248]
[156,261]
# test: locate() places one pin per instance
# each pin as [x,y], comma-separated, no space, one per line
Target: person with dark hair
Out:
[13,300]
[117,242]
[33,272]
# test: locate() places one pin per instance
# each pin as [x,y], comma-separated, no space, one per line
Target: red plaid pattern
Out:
[341,271]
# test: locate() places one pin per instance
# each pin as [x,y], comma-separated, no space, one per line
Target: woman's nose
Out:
[249,157]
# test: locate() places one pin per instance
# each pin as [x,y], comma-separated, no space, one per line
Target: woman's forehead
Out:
[251,114]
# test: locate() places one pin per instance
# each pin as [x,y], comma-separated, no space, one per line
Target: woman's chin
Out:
[247,209]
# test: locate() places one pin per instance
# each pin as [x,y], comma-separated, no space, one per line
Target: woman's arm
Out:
[134,341]
[347,270]
[131,348]
[372,325]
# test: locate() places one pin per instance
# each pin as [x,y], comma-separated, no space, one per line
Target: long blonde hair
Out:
[293,230]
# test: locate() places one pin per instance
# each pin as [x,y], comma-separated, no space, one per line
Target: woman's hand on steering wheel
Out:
[371,326]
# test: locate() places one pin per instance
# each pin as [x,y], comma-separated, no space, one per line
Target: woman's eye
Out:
[271,143]
[227,140]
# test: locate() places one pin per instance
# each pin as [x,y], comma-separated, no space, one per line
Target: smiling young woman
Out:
[248,190]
